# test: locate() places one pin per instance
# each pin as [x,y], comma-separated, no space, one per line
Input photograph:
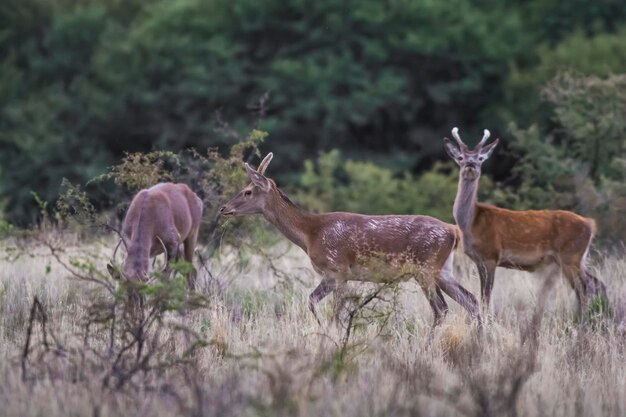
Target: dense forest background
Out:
[356,97]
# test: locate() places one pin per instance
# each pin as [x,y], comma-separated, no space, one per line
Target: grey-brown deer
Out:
[159,220]
[526,240]
[344,246]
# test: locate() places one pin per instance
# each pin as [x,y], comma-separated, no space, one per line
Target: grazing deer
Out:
[158,220]
[344,246]
[526,240]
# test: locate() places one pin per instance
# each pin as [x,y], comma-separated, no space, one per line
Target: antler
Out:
[117,247]
[264,163]
[455,135]
[485,137]
[165,252]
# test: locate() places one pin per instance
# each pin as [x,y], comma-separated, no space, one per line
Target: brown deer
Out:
[344,246]
[526,240]
[158,220]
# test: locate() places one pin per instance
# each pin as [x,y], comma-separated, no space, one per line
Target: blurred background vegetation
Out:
[356,97]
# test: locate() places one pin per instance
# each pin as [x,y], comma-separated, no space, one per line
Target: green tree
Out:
[577,161]
[591,113]
[552,20]
[600,55]
[82,82]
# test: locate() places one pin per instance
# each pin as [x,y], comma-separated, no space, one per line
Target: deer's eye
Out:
[247,193]
[460,159]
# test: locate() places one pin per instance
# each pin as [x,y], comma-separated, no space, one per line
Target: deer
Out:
[343,246]
[159,219]
[528,240]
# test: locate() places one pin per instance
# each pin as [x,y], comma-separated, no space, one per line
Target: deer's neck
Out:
[289,219]
[138,258]
[465,204]
[139,247]
[141,244]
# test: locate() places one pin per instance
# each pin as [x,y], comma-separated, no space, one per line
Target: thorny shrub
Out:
[212,176]
[125,343]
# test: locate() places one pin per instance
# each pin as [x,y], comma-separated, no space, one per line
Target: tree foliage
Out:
[577,162]
[600,55]
[84,82]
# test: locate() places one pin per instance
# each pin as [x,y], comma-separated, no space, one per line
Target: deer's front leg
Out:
[486,271]
[458,293]
[341,298]
[436,301]
[325,287]
[171,255]
[189,246]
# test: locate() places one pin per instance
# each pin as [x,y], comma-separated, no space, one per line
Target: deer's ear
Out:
[114,272]
[451,149]
[257,179]
[264,163]
[486,151]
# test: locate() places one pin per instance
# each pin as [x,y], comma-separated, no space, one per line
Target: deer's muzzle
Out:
[470,172]
[225,211]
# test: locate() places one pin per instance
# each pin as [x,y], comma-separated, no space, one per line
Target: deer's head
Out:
[135,266]
[253,197]
[469,160]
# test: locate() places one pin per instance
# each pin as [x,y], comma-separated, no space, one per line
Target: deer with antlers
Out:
[159,220]
[345,246]
[526,240]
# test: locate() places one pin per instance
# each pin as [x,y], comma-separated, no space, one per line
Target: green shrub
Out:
[330,183]
[214,177]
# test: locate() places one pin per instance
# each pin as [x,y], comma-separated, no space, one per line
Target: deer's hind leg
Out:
[585,285]
[457,292]
[595,287]
[435,299]
[574,274]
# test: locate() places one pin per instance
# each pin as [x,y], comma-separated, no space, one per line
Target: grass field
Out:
[267,356]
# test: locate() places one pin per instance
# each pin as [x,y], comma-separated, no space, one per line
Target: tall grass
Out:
[266,355]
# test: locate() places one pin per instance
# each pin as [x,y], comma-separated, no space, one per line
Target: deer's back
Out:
[348,239]
[534,232]
[164,210]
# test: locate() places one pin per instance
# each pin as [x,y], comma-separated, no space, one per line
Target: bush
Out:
[213,177]
[331,183]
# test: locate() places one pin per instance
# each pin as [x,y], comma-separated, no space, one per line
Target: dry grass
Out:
[267,355]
